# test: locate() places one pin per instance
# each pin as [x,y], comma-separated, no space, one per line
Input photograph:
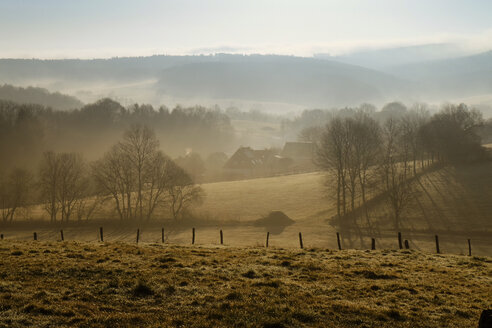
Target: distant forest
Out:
[28,130]
[40,96]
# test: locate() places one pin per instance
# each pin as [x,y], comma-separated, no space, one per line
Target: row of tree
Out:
[28,130]
[134,175]
[366,155]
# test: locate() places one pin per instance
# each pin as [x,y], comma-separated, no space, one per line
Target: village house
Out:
[247,162]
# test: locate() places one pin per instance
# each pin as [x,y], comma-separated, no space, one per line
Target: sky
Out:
[110,28]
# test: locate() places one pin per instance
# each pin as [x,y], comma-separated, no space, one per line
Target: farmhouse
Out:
[301,153]
[248,162]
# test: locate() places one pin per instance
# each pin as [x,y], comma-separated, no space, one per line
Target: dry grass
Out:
[453,202]
[300,196]
[118,284]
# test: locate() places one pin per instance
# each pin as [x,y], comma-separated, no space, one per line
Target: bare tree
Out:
[158,180]
[397,186]
[49,172]
[331,157]
[367,144]
[14,193]
[114,176]
[181,191]
[72,183]
[139,145]
[63,181]
[140,178]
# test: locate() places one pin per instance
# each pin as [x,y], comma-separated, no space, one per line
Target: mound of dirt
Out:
[275,219]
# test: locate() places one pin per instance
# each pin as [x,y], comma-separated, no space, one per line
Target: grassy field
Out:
[453,202]
[117,284]
[301,196]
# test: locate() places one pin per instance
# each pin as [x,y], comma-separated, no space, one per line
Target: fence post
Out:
[437,245]
[221,237]
[193,237]
[61,235]
[373,243]
[268,237]
[35,235]
[338,241]
[399,241]
[138,235]
[101,235]
[469,247]
[1,236]
[407,245]
[300,240]
[162,235]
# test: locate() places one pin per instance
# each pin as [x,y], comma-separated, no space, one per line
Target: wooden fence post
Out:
[193,237]
[221,237]
[338,241]
[469,247]
[300,240]
[138,235]
[268,237]
[399,241]
[407,245]
[437,245]
[35,235]
[373,243]
[61,235]
[101,235]
[162,235]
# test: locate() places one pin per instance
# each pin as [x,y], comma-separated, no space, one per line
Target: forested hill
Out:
[273,78]
[40,96]
[324,82]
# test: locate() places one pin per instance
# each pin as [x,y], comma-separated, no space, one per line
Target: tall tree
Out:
[15,190]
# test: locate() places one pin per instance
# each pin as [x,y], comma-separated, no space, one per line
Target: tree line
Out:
[367,154]
[134,175]
[28,130]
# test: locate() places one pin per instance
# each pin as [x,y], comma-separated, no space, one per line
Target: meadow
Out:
[452,202]
[113,284]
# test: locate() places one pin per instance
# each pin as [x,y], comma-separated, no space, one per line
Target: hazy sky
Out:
[105,28]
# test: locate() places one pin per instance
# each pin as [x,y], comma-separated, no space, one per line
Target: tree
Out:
[452,134]
[14,193]
[367,145]
[72,183]
[140,178]
[193,164]
[114,176]
[49,172]
[139,147]
[331,157]
[311,134]
[396,185]
[63,181]
[348,148]
[181,190]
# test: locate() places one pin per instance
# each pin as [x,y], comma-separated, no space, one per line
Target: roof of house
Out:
[298,150]
[248,158]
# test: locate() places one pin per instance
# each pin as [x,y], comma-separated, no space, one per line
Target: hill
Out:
[294,80]
[420,73]
[271,78]
[39,96]
[385,58]
[464,76]
[121,285]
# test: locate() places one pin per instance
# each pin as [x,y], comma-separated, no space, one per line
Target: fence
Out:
[402,244]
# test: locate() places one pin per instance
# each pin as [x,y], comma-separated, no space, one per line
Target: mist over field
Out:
[246,164]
